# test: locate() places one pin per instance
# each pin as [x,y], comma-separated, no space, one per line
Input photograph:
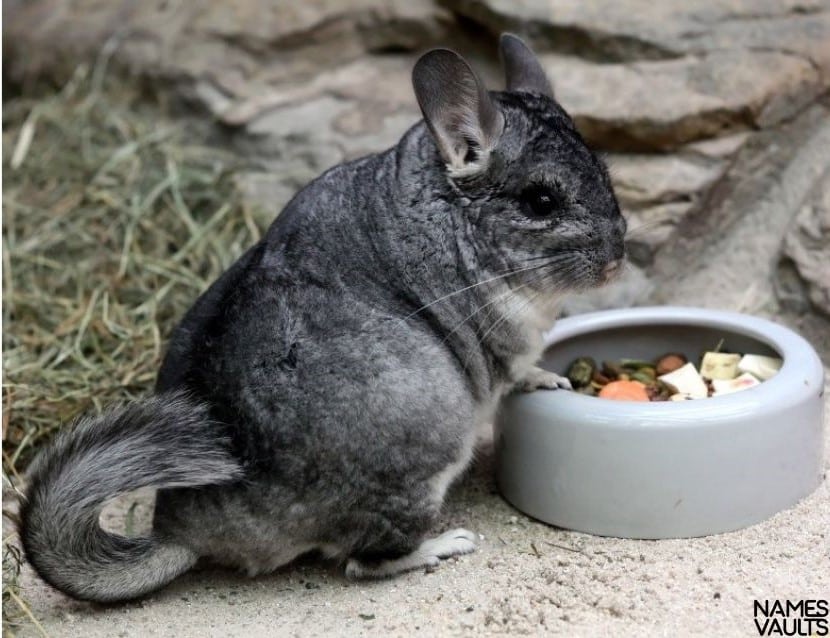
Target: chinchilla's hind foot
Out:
[429,553]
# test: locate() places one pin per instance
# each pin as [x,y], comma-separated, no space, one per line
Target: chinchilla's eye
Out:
[541,201]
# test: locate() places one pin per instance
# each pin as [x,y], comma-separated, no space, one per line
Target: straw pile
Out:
[115,219]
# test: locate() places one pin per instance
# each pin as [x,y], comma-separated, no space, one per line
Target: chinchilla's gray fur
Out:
[325,391]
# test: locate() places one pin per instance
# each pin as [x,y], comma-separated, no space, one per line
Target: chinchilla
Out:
[326,390]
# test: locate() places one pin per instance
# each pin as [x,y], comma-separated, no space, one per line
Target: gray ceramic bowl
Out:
[664,470]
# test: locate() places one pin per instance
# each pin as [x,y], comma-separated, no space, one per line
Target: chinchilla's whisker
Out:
[496,299]
[537,270]
[539,275]
[562,276]
[554,257]
[465,289]
[480,339]
[643,227]
[511,312]
[551,256]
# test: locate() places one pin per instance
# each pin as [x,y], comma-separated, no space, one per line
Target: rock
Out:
[649,228]
[719,147]
[806,246]
[372,120]
[342,88]
[336,117]
[240,45]
[610,30]
[656,193]
[700,96]
[303,120]
[368,25]
[340,116]
[266,194]
[737,231]
[682,71]
[644,180]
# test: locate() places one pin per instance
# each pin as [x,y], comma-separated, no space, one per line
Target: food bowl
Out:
[664,469]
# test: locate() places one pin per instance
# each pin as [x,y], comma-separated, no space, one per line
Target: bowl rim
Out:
[801,375]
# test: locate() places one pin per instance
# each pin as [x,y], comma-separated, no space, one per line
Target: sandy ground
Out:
[526,578]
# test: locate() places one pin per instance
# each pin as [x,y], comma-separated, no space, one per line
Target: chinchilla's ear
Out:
[522,71]
[463,119]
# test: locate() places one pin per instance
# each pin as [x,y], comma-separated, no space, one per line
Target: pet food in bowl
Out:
[671,376]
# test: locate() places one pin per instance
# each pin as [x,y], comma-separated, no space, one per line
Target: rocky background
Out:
[713,114]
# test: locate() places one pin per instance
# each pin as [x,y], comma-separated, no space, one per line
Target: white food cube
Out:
[680,396]
[719,365]
[760,366]
[687,381]
[728,386]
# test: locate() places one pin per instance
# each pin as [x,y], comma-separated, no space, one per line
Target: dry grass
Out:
[115,219]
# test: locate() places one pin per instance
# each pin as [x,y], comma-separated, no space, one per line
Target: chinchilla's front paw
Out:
[539,379]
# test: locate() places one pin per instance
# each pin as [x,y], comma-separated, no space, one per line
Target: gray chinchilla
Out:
[326,390]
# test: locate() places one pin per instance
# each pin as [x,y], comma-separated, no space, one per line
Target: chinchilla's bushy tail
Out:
[163,441]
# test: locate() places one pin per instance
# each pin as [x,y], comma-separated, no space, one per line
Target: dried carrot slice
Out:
[624,391]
